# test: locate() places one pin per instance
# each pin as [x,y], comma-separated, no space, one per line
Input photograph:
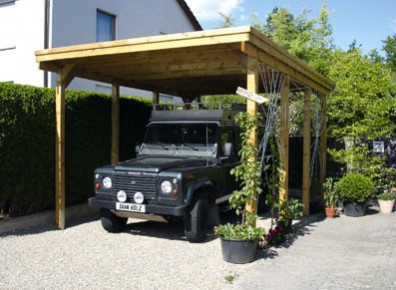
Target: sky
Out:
[366,21]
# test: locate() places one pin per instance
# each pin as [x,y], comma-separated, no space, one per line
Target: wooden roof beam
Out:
[147,44]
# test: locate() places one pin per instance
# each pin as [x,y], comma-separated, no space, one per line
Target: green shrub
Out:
[355,187]
[27,143]
[386,196]
[239,232]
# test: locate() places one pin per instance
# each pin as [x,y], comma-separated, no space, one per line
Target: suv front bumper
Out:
[178,211]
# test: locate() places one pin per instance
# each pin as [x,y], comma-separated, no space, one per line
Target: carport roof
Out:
[184,64]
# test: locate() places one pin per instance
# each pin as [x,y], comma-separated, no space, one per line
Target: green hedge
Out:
[27,143]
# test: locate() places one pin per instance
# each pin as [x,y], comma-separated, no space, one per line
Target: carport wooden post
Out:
[115,123]
[63,78]
[252,108]
[323,140]
[284,142]
[155,99]
[306,151]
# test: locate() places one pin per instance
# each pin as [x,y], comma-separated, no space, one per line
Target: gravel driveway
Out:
[147,255]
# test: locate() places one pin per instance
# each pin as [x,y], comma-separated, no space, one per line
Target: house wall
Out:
[22,32]
[73,22]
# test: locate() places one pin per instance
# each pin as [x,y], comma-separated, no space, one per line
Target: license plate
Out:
[131,207]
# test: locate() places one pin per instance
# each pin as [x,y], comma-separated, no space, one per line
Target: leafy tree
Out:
[226,21]
[375,56]
[362,104]
[309,39]
[279,26]
[353,46]
[390,51]
[361,108]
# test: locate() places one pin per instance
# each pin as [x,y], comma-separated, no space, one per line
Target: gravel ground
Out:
[147,255]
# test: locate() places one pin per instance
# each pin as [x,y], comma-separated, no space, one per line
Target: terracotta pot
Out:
[330,212]
[386,206]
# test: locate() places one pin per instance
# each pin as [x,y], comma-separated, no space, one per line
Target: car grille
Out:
[132,184]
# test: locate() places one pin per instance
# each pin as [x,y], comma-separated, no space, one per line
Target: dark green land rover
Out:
[182,170]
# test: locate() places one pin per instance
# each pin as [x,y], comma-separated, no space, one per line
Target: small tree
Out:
[249,175]
[248,172]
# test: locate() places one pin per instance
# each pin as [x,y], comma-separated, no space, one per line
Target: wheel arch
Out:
[201,187]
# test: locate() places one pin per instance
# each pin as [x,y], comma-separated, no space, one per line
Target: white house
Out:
[29,25]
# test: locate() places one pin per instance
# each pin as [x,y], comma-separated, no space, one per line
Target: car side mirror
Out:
[227,149]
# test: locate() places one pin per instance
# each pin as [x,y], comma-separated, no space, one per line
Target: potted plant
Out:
[386,202]
[239,241]
[288,211]
[275,236]
[330,197]
[355,189]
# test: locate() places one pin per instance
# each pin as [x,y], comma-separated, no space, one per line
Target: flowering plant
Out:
[276,236]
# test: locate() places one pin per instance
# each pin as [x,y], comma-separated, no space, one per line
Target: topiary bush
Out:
[355,188]
[27,143]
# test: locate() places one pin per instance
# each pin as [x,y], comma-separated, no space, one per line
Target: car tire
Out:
[111,222]
[195,223]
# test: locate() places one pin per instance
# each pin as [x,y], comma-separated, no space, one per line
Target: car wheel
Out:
[111,222]
[195,224]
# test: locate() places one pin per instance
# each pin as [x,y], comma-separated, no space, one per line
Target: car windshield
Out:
[196,139]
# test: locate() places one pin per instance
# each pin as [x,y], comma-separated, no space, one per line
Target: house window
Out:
[105,26]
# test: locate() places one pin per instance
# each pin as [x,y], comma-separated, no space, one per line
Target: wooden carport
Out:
[187,65]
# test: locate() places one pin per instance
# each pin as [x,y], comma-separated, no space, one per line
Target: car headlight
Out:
[107,183]
[122,196]
[138,197]
[166,187]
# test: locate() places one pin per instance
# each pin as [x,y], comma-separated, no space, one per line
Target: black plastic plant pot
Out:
[354,210]
[239,251]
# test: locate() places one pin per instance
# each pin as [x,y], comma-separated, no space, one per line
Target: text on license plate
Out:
[131,207]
